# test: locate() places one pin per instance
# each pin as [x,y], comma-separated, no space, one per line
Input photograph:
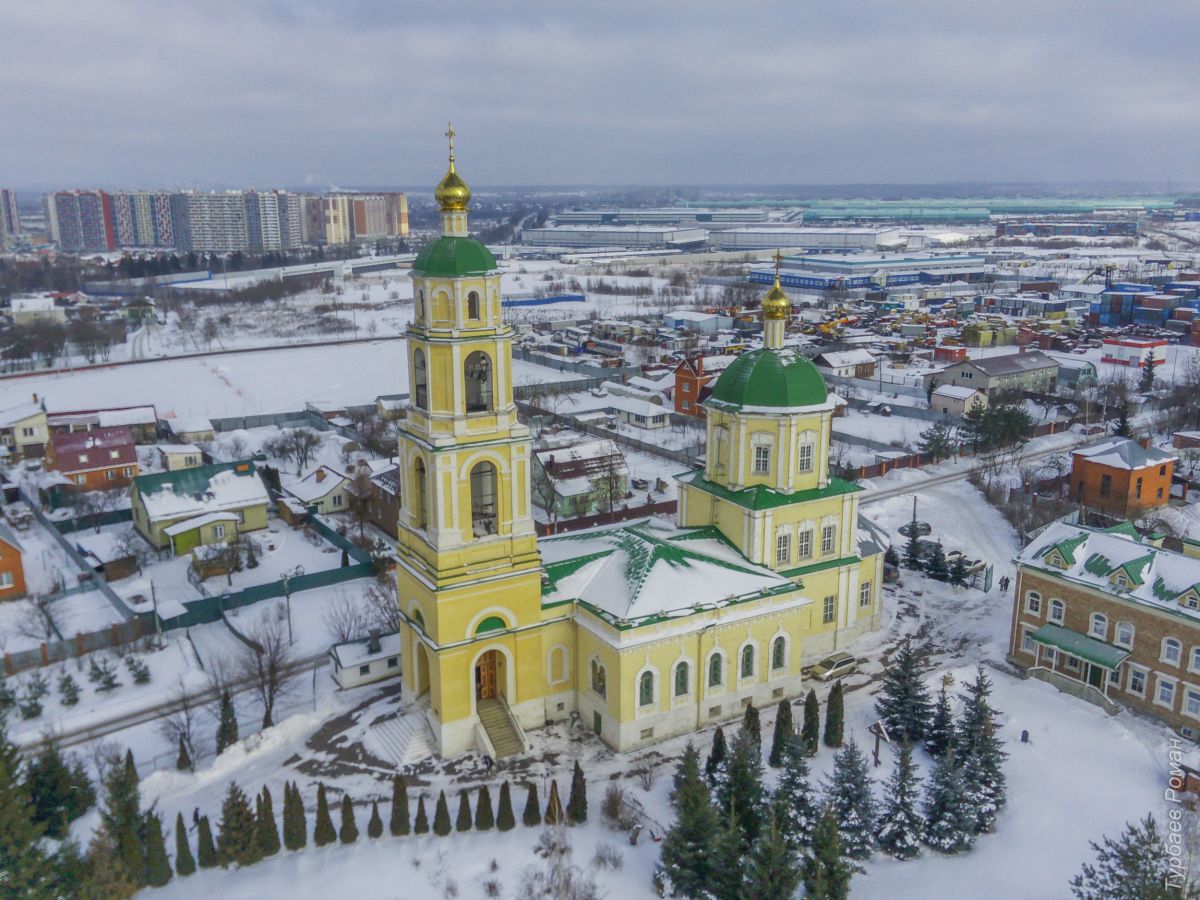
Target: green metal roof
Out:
[453,257]
[769,378]
[191,481]
[763,497]
[1088,648]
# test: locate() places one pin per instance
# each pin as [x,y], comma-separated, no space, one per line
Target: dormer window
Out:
[83,457]
[1121,580]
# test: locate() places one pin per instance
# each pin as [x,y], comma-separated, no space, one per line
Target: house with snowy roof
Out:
[323,489]
[142,421]
[97,460]
[23,428]
[1121,478]
[956,400]
[845,363]
[580,479]
[186,508]
[1002,374]
[1112,617]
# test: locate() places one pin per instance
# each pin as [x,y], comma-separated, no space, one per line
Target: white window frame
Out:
[1163,681]
[805,458]
[1136,670]
[1061,617]
[829,605]
[783,547]
[1128,645]
[1190,693]
[1101,633]
[6,580]
[864,595]
[1028,645]
[1164,657]
[1033,603]
[828,539]
[762,459]
[218,531]
[804,544]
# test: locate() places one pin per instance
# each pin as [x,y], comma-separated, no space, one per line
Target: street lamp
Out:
[286,578]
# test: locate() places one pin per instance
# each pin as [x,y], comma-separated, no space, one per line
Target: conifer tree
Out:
[375,826]
[773,869]
[289,817]
[505,821]
[1132,866]
[903,700]
[227,727]
[689,847]
[716,755]
[980,754]
[237,831]
[912,547]
[958,571]
[827,873]
[348,833]
[185,863]
[1146,381]
[398,821]
[421,825]
[810,731]
[940,734]
[900,823]
[793,802]
[835,717]
[740,785]
[577,801]
[301,825]
[323,833]
[532,816]
[485,819]
[183,761]
[936,568]
[727,872]
[554,814]
[947,814]
[59,792]
[441,816]
[785,729]
[266,827]
[848,794]
[1124,427]
[752,726]
[206,849]
[28,869]
[122,820]
[158,867]
[891,557]
[463,821]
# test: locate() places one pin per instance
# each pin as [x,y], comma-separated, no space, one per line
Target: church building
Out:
[645,630]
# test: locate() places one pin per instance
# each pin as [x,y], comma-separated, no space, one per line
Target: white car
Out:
[834,666]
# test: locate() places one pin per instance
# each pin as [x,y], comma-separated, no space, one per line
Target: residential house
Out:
[846,364]
[360,662]
[107,554]
[995,375]
[1186,440]
[1121,478]
[97,460]
[200,505]
[579,480]
[32,308]
[1112,617]
[956,400]
[384,505]
[142,421]
[695,320]
[324,488]
[191,430]
[693,379]
[640,413]
[23,429]
[180,456]
[12,567]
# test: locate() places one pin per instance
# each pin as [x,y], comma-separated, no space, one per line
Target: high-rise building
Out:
[81,220]
[143,219]
[10,220]
[349,217]
[215,222]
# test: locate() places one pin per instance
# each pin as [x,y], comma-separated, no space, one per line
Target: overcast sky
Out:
[357,92]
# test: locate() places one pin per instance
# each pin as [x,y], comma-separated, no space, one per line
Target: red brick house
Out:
[692,379]
[1121,478]
[12,566]
[94,460]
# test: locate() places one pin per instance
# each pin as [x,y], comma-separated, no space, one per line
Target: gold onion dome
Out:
[452,192]
[776,304]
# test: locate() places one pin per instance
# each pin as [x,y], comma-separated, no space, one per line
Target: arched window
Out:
[419,619]
[748,661]
[1194,660]
[473,305]
[483,499]
[1124,635]
[1172,651]
[599,679]
[420,380]
[778,652]
[478,372]
[419,306]
[719,445]
[1058,610]
[1098,628]
[1033,603]
[681,680]
[491,623]
[646,689]
[421,510]
[716,670]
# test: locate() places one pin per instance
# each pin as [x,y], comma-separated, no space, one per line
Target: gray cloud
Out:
[159,93]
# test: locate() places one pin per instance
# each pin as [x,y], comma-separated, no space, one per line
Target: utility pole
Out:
[157,620]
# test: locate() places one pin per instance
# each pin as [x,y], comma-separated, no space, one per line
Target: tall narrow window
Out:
[483,499]
[419,306]
[783,548]
[646,689]
[478,372]
[473,305]
[421,510]
[420,380]
[716,670]
[828,535]
[762,460]
[748,661]
[681,680]
[778,650]
[806,458]
[599,679]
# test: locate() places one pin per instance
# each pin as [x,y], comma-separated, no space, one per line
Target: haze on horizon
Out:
[126,93]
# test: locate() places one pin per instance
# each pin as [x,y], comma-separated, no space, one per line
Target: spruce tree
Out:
[577,801]
[300,821]
[1132,867]
[785,730]
[532,816]
[716,755]
[158,867]
[773,869]
[421,825]
[183,761]
[289,817]
[398,820]
[940,734]
[227,727]
[1146,381]
[903,700]
[206,849]
[348,833]
[891,557]
[947,814]
[827,873]
[375,826]
[740,785]
[980,754]
[185,863]
[835,717]
[237,831]
[59,792]
[554,814]
[323,833]
[958,571]
[505,821]
[689,847]
[936,568]
[810,731]
[727,871]
[441,816]
[912,548]
[900,823]
[752,726]
[267,829]
[463,821]
[28,869]
[793,802]
[485,819]
[848,794]
[1124,427]
[122,820]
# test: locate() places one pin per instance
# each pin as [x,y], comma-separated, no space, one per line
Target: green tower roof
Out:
[769,378]
[452,257]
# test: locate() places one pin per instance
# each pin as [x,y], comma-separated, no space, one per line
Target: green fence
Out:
[93,520]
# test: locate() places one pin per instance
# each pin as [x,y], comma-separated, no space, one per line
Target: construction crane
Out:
[1106,270]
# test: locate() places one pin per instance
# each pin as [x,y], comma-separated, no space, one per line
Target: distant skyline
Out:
[312,94]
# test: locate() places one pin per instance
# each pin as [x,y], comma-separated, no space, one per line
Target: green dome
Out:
[769,378]
[452,257]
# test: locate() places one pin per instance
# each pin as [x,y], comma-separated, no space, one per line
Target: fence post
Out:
[78,644]
[45,654]
[8,664]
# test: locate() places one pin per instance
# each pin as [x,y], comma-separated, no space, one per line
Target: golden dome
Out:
[776,304]
[452,192]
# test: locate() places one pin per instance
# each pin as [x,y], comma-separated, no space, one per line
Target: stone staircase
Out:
[500,728]
[406,739]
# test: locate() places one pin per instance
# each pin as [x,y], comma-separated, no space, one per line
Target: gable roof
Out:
[1012,363]
[842,358]
[1125,453]
[83,450]
[313,486]
[191,492]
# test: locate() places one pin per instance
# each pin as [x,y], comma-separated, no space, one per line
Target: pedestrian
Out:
[488,764]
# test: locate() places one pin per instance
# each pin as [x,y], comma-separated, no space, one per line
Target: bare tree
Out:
[38,619]
[608,487]
[360,493]
[302,446]
[347,618]
[128,543]
[180,726]
[382,604]
[267,665]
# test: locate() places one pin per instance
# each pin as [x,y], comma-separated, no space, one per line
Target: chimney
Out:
[320,475]
[35,398]
[373,645]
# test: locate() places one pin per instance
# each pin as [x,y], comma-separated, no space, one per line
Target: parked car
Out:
[834,666]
